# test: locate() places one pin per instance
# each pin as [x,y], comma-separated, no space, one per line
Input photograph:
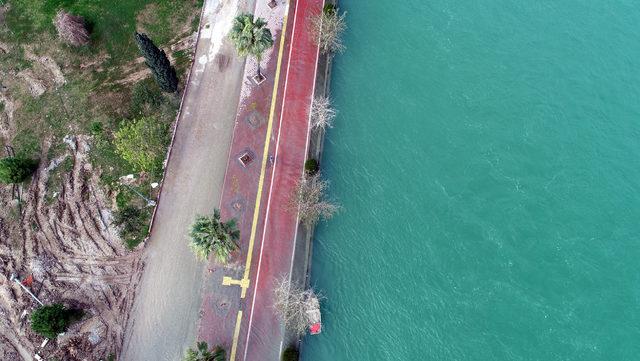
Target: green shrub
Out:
[123,198]
[133,223]
[16,169]
[146,97]
[202,353]
[290,354]
[50,320]
[329,9]
[311,166]
[142,143]
[96,128]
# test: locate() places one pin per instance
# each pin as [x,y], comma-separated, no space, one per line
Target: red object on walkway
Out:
[315,329]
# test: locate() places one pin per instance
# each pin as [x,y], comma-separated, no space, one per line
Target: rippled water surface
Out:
[487,158]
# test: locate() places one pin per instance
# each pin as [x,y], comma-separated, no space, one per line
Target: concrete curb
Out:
[175,127]
[315,149]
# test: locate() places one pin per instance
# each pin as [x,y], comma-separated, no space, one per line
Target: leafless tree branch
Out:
[71,28]
[322,114]
[327,28]
[292,303]
[309,200]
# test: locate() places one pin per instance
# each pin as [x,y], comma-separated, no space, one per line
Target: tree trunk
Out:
[259,73]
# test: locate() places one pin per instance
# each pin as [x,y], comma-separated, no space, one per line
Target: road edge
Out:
[165,163]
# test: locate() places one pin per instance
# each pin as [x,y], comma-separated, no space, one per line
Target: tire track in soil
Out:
[76,259]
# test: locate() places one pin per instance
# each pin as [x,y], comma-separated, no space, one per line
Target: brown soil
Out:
[49,68]
[7,125]
[75,257]
[58,229]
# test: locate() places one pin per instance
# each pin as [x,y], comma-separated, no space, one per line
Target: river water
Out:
[487,159]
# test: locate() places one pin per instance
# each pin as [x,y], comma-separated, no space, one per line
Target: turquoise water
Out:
[487,158]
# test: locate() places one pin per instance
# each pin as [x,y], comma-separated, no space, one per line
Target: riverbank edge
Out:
[301,273]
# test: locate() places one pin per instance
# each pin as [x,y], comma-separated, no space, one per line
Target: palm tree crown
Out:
[251,36]
[209,234]
[202,353]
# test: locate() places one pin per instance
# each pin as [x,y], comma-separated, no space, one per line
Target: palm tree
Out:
[209,234]
[251,37]
[202,353]
[219,354]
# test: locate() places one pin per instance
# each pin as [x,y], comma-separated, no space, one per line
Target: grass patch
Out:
[26,144]
[92,100]
[89,92]
[104,152]
[56,178]
[134,224]
[112,24]
[123,198]
[181,59]
[146,98]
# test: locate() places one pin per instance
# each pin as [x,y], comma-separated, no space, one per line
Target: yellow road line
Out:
[244,282]
[236,333]
[267,142]
[228,281]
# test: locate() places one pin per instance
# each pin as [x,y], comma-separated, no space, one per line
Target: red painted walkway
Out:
[259,332]
[263,331]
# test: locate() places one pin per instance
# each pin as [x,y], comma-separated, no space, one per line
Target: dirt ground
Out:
[75,258]
[56,229]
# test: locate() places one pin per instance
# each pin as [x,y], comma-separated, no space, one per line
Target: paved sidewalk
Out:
[165,313]
[222,304]
[272,128]
[263,334]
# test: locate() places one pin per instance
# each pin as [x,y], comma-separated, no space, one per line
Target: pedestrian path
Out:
[265,161]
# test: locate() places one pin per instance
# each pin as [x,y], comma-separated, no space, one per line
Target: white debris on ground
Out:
[216,23]
[274,18]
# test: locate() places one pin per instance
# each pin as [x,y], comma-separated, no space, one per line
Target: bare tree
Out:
[71,28]
[327,28]
[322,114]
[292,304]
[308,199]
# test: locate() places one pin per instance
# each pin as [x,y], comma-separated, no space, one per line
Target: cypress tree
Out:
[157,61]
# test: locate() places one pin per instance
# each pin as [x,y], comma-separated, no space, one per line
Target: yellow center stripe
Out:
[244,282]
[236,333]
[267,142]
